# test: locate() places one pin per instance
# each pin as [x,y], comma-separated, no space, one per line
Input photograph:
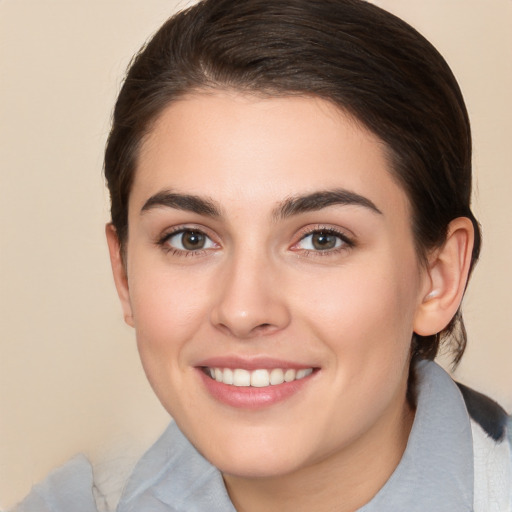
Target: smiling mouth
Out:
[259,378]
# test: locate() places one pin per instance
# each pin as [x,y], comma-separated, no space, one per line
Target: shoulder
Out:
[170,477]
[487,413]
[79,486]
[69,487]
[491,432]
[467,432]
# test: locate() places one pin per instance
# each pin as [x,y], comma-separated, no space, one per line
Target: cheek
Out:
[364,312]
[167,309]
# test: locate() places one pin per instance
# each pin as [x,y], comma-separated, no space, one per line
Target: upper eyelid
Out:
[348,240]
[166,233]
[341,232]
[163,241]
[163,238]
[344,234]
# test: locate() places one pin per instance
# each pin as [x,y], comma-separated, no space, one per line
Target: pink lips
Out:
[249,397]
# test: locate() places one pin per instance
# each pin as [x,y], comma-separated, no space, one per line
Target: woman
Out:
[291,239]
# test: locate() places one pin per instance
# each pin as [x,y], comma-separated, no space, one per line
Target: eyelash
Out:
[346,242]
[169,249]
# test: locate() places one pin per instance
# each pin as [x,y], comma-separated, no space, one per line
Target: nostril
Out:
[263,327]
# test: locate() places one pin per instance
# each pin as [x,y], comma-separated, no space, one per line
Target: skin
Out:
[259,287]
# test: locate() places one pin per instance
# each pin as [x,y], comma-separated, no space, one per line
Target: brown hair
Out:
[363,59]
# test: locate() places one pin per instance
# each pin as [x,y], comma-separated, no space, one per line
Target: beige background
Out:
[70,379]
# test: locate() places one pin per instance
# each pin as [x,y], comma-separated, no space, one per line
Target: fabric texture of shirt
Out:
[450,464]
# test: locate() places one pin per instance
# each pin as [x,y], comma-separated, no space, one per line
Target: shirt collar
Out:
[436,469]
[173,477]
[435,473]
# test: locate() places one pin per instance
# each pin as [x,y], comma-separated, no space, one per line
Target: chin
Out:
[255,456]
[256,467]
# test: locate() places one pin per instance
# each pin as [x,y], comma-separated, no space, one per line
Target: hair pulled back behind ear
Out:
[363,59]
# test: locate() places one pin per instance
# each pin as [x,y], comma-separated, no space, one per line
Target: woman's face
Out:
[269,244]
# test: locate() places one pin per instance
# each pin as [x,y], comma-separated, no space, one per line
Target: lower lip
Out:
[248,397]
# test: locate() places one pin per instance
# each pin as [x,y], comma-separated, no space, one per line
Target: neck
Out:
[344,481]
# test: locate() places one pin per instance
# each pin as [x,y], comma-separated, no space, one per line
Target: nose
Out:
[250,301]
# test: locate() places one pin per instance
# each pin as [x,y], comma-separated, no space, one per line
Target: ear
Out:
[446,279]
[119,272]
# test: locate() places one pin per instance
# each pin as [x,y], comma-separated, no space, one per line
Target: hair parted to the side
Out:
[363,59]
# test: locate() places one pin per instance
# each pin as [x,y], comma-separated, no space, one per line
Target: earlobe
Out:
[448,270]
[119,272]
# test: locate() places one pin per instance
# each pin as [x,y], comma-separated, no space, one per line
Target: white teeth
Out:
[260,378]
[227,376]
[289,375]
[276,376]
[257,378]
[241,377]
[303,373]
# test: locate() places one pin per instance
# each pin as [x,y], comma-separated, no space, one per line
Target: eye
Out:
[189,240]
[323,240]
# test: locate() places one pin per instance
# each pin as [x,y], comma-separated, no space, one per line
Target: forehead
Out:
[247,149]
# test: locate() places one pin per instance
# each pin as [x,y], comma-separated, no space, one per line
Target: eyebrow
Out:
[187,202]
[288,208]
[323,199]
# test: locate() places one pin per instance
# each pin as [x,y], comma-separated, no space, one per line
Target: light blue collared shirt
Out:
[434,474]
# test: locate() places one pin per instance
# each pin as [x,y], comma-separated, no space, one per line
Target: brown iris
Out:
[323,241]
[193,240]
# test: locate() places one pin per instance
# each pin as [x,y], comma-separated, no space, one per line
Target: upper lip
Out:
[253,363]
